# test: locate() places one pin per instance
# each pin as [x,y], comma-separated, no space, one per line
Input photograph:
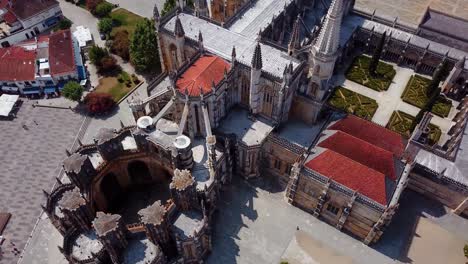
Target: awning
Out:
[7,102]
[81,73]
[49,90]
[60,85]
[51,21]
[31,91]
[9,89]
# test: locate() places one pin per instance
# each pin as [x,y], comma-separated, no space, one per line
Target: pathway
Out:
[390,100]
[81,17]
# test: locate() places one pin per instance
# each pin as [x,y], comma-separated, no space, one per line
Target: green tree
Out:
[73,91]
[168,6]
[144,48]
[377,54]
[96,54]
[105,25]
[437,77]
[103,9]
[65,23]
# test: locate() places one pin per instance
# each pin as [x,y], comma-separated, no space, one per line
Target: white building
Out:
[42,65]
[25,19]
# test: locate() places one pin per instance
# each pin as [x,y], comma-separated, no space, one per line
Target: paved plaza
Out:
[255,225]
[30,159]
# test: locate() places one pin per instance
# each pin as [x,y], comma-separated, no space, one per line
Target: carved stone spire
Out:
[328,40]
[156,12]
[179,30]
[257,57]
[294,42]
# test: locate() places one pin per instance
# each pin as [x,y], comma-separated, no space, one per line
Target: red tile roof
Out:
[372,133]
[61,54]
[17,64]
[10,18]
[201,74]
[24,9]
[361,151]
[352,174]
[3,4]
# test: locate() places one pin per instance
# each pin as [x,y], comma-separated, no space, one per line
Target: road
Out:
[140,7]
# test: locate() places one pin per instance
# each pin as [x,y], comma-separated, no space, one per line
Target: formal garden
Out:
[416,93]
[359,72]
[353,103]
[400,122]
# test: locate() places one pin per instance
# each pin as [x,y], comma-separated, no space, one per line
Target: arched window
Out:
[138,172]
[112,192]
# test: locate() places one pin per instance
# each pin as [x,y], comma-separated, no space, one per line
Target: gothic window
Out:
[332,209]
[245,91]
[288,169]
[173,54]
[277,164]
[267,106]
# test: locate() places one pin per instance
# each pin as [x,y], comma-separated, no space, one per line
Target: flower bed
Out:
[359,72]
[353,103]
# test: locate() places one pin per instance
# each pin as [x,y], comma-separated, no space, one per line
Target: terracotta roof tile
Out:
[61,54]
[201,74]
[10,18]
[372,133]
[17,64]
[361,151]
[351,174]
[24,9]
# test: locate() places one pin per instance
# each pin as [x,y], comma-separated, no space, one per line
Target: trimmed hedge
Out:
[415,94]
[359,72]
[400,122]
[353,103]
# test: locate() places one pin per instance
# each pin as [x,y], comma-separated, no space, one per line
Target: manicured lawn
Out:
[114,87]
[400,122]
[359,72]
[126,20]
[416,94]
[353,103]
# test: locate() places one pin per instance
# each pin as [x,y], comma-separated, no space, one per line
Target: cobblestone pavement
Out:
[30,159]
[254,225]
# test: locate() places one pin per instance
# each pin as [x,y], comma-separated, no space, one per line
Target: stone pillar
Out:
[111,232]
[79,170]
[154,220]
[184,190]
[76,210]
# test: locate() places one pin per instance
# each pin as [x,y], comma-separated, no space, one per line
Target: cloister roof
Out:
[351,174]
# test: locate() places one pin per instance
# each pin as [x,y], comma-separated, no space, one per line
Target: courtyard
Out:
[33,146]
[401,90]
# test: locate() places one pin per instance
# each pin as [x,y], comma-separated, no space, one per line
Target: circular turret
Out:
[145,123]
[183,145]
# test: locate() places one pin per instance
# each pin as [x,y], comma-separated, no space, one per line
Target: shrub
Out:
[105,25]
[73,91]
[121,44]
[96,54]
[103,9]
[99,103]
[92,4]
[64,24]
[144,47]
[108,64]
[168,6]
